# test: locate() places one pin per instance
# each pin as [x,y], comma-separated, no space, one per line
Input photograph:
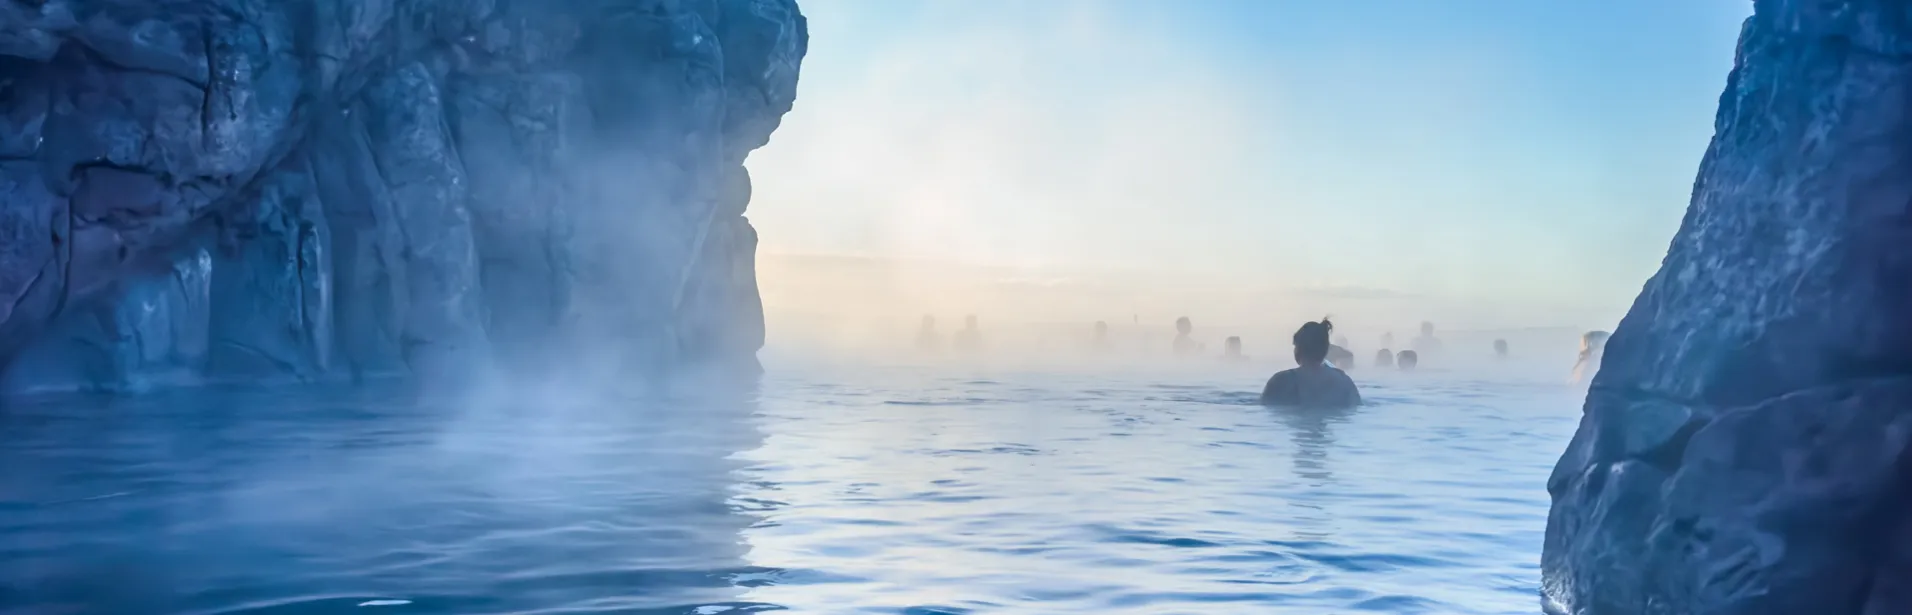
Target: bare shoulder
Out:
[1286,376]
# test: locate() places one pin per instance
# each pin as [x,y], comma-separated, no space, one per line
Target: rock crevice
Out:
[304,190]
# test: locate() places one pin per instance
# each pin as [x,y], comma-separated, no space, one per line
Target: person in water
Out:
[926,338]
[1383,358]
[1427,344]
[1407,360]
[1593,347]
[970,339]
[1185,345]
[1314,384]
[1500,349]
[1100,341]
[1338,353]
[1340,357]
[1231,350]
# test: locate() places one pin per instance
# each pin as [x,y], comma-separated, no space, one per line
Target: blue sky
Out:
[1525,153]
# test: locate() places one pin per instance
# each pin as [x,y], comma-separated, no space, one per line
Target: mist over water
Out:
[316,501]
[835,486]
[1041,167]
[871,309]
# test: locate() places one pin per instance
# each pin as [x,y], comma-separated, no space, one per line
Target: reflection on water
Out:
[873,490]
[1311,432]
[909,491]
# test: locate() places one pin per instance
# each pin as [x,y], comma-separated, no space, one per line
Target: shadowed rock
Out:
[1743,446]
[254,190]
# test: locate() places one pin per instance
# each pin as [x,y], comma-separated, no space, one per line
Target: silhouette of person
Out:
[1383,358]
[1427,344]
[1185,345]
[1500,349]
[1593,348]
[1231,350]
[926,338]
[1407,360]
[970,339]
[1338,353]
[1340,357]
[1100,341]
[1313,384]
[1387,340]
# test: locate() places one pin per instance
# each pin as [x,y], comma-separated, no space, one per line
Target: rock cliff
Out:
[1743,449]
[300,190]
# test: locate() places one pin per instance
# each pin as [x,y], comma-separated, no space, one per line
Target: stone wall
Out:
[1743,448]
[300,190]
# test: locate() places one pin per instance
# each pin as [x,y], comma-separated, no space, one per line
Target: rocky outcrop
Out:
[301,190]
[1743,448]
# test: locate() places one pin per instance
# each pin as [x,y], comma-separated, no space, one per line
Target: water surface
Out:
[828,490]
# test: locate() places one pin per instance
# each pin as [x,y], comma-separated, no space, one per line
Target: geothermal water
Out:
[828,488]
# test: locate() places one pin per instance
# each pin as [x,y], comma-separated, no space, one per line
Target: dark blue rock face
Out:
[306,190]
[1743,448]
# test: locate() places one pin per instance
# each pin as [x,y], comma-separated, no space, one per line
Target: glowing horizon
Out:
[1472,162]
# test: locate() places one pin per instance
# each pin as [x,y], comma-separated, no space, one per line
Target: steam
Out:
[1047,165]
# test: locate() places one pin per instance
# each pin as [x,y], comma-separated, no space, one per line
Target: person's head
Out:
[929,322]
[1311,342]
[1427,328]
[1593,341]
[1383,358]
[1184,326]
[1232,345]
[1101,328]
[969,321]
[1500,347]
[1407,359]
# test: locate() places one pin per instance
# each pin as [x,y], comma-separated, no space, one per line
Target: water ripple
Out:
[895,491]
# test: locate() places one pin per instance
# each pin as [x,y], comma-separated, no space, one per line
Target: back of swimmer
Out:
[1313,384]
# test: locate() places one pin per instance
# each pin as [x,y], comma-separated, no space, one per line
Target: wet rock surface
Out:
[1744,447]
[304,190]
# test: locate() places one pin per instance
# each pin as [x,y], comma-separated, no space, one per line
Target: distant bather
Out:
[1184,344]
[1427,344]
[1383,358]
[1593,348]
[1340,357]
[926,338]
[970,339]
[1407,360]
[1231,349]
[1500,348]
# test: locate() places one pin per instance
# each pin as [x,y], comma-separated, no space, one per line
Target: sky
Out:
[1528,159]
